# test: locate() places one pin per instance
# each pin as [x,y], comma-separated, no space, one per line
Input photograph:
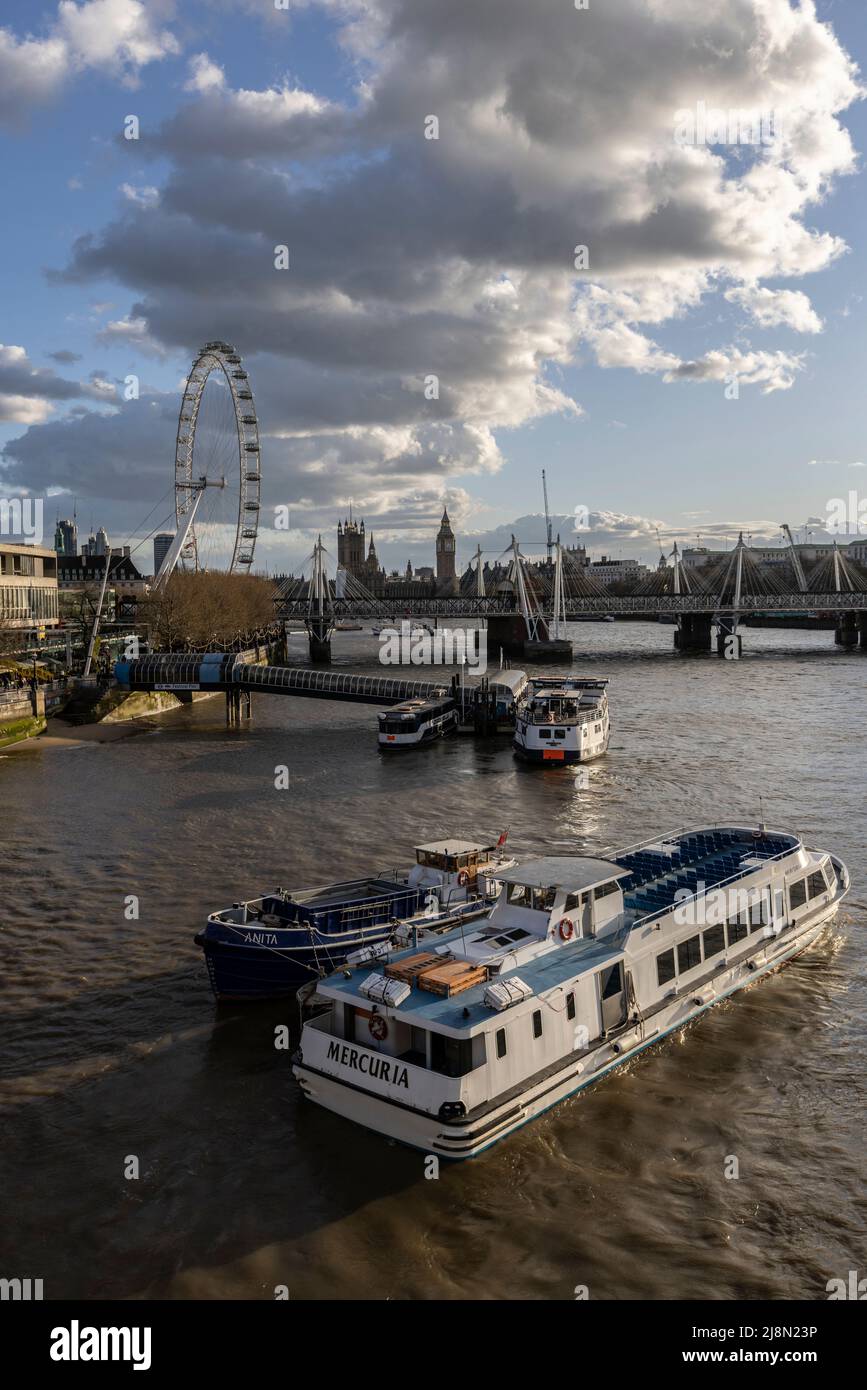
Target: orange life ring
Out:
[463,878]
[566,928]
[378,1027]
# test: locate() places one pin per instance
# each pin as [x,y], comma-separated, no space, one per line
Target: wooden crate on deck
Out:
[453,977]
[411,967]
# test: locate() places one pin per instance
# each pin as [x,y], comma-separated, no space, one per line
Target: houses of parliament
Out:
[357,555]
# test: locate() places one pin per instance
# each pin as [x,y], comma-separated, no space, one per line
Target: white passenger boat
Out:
[562,720]
[582,963]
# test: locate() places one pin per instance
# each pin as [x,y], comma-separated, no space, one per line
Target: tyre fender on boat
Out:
[566,929]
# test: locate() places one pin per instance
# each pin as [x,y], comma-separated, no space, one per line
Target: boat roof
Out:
[453,846]
[461,1012]
[572,872]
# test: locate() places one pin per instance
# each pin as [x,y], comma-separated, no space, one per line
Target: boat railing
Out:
[693,897]
[670,836]
[545,717]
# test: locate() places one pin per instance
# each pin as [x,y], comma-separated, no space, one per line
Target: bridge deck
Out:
[216,671]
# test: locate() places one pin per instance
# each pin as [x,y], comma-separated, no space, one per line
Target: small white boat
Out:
[582,964]
[562,720]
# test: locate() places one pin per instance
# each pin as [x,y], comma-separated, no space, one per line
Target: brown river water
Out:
[112,1045]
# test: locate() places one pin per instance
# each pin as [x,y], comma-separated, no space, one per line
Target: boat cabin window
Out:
[501,1042]
[665,967]
[570,1005]
[736,931]
[575,902]
[688,954]
[759,913]
[714,941]
[544,733]
[451,1056]
[817,884]
[537,1023]
[603,890]
[539,899]
[797,894]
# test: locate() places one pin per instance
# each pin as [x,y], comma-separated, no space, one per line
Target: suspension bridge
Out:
[527,612]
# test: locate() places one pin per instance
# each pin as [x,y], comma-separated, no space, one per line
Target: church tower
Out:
[445,554]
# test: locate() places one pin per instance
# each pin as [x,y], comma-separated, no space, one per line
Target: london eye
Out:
[217,464]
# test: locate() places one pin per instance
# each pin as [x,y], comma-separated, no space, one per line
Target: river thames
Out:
[113,1046]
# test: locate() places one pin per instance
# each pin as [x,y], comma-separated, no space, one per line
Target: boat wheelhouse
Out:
[562,720]
[267,947]
[582,963]
[414,722]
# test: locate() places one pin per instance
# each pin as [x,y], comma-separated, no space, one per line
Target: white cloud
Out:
[145,197]
[118,37]
[205,75]
[777,308]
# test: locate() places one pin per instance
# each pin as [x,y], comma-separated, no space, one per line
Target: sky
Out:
[431,170]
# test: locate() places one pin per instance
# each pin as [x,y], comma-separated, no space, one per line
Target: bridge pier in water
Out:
[319,638]
[239,705]
[507,633]
[693,632]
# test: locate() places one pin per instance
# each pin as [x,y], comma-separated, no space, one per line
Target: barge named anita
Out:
[266,947]
[582,963]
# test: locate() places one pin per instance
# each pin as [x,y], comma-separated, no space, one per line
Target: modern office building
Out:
[28,589]
[162,546]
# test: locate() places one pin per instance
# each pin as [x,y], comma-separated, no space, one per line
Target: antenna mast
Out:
[549,543]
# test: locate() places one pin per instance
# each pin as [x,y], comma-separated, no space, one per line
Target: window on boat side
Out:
[574,902]
[501,1042]
[544,733]
[570,1005]
[797,894]
[817,884]
[518,894]
[543,899]
[604,889]
[537,1023]
[665,967]
[714,941]
[688,954]
[736,931]
[759,913]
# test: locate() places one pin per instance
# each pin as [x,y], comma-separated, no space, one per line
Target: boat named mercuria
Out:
[582,963]
[562,720]
[268,946]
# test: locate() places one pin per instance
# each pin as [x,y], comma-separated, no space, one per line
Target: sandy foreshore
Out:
[60,735]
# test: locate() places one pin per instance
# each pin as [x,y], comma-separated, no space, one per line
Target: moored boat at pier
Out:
[582,963]
[268,946]
[562,720]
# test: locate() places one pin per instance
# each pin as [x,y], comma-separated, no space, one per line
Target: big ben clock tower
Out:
[445,554]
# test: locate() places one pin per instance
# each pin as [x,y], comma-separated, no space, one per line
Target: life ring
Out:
[463,878]
[378,1027]
[566,928]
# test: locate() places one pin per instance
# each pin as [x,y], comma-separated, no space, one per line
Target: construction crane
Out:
[549,543]
[796,559]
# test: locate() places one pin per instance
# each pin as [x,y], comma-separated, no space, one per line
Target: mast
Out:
[548,541]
